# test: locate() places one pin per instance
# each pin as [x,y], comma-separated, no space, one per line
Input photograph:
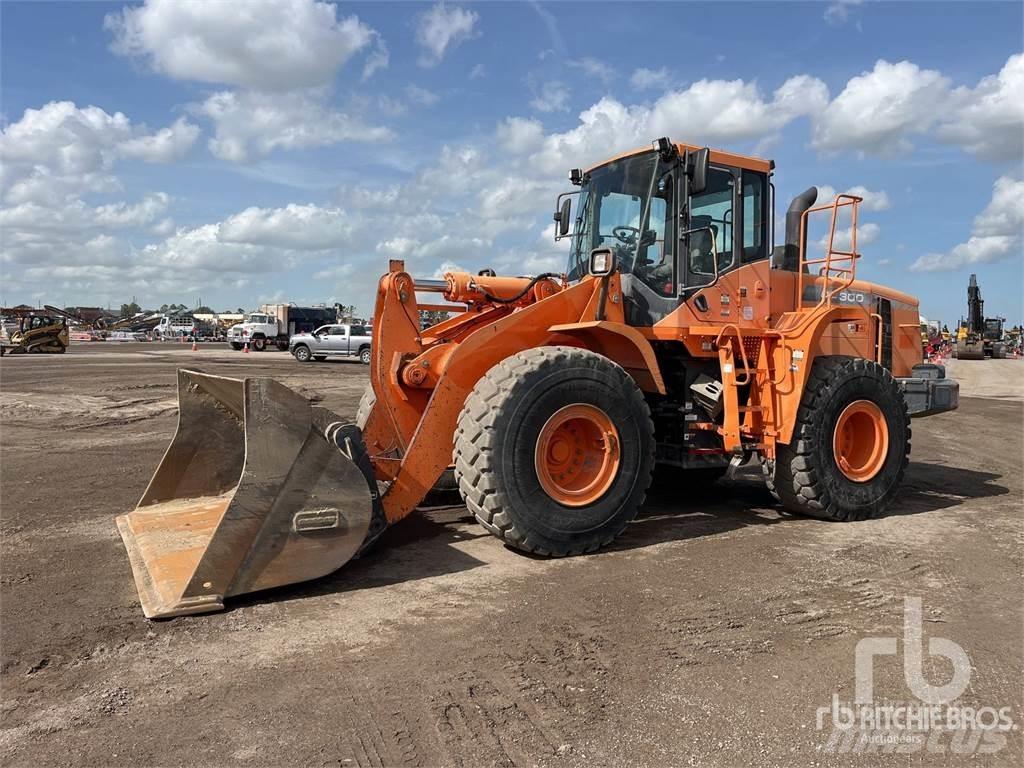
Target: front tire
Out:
[236,346]
[302,353]
[554,450]
[850,446]
[258,345]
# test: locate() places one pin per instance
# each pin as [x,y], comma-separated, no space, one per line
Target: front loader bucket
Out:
[252,493]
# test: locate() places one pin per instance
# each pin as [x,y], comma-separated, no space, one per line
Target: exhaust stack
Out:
[801,203]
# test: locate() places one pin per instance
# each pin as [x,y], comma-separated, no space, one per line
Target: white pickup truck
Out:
[276,324]
[174,326]
[335,340]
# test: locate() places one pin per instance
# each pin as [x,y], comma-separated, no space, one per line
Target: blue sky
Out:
[252,151]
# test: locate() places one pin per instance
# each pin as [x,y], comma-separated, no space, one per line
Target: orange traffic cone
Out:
[195,346]
[246,348]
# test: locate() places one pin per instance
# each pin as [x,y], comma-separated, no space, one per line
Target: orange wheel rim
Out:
[577,455]
[861,441]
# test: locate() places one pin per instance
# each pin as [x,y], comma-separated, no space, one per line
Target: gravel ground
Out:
[710,633]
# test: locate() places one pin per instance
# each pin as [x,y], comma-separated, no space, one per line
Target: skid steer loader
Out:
[674,338]
[39,330]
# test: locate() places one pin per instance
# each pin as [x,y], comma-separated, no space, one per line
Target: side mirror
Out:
[562,217]
[699,171]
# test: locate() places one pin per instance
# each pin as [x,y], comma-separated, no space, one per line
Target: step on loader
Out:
[675,343]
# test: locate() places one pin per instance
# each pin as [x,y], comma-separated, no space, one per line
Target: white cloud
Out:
[164,146]
[76,216]
[201,249]
[250,121]
[734,110]
[989,120]
[1004,214]
[838,13]
[163,228]
[866,235]
[872,200]
[594,68]
[51,158]
[298,227]
[552,96]
[877,110]
[644,79]
[264,44]
[714,112]
[995,236]
[520,135]
[61,150]
[378,59]
[421,96]
[442,28]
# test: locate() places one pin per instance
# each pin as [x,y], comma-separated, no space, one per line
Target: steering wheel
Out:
[630,236]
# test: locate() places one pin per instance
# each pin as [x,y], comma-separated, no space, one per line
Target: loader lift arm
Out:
[422,378]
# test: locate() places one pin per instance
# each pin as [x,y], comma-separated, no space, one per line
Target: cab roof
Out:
[718,157]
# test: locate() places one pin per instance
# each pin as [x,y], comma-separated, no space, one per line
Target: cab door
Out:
[338,336]
[709,244]
[322,340]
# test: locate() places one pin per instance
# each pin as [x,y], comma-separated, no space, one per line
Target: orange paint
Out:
[577,455]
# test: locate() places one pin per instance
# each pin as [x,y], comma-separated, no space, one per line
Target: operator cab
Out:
[675,218]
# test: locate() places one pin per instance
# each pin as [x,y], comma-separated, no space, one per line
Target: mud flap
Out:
[252,493]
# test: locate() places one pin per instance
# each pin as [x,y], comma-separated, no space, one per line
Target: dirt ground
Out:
[709,634]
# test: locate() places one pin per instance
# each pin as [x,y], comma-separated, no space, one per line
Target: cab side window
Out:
[755,244]
[358,330]
[710,238]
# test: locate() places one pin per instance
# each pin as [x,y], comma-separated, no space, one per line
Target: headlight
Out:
[602,262]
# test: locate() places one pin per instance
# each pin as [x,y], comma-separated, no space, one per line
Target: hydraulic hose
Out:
[522,293]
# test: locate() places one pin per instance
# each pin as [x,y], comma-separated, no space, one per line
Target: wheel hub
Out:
[577,455]
[861,441]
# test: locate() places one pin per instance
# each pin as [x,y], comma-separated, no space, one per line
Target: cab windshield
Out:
[614,199]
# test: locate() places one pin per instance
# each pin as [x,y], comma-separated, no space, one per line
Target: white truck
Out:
[174,327]
[276,324]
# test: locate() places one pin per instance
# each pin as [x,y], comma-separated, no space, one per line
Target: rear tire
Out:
[364,356]
[302,354]
[510,411]
[854,405]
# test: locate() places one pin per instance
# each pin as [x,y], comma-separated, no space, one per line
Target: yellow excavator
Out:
[675,337]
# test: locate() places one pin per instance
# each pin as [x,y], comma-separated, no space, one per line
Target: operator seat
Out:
[701,246]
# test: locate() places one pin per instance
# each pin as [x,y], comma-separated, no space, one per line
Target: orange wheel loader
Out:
[675,340]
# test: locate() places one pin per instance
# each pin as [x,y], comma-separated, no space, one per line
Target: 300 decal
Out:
[849,297]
